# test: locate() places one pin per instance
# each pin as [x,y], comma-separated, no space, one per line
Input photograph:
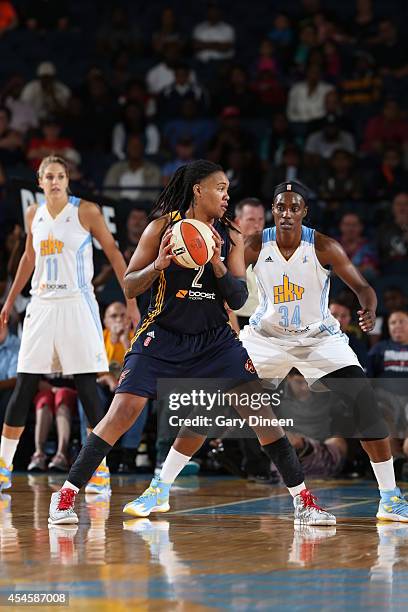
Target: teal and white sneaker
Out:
[393,506]
[154,499]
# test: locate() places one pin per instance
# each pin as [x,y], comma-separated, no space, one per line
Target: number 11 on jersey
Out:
[52,269]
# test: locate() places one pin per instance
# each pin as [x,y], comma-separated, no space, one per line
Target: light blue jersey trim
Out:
[94,312]
[81,263]
[268,235]
[260,311]
[307,234]
[323,297]
[74,200]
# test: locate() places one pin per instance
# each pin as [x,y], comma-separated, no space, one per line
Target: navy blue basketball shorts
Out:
[160,353]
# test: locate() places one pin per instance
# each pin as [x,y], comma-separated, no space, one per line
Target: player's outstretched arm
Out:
[91,218]
[330,252]
[24,270]
[152,256]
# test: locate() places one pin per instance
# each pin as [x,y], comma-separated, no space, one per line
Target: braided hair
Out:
[178,194]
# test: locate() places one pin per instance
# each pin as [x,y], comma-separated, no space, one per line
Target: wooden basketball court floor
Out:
[225,544]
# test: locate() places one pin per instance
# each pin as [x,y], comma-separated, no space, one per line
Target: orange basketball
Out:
[193,243]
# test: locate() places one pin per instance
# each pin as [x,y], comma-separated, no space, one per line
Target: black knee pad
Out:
[21,399]
[88,394]
[352,385]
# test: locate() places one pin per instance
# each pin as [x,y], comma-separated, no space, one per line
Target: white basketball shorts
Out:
[273,358]
[62,335]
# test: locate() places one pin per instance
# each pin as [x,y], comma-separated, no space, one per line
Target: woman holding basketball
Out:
[185,334]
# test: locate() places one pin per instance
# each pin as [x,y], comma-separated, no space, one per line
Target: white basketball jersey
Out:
[63,253]
[293,294]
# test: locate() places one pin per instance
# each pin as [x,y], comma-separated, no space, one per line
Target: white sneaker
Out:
[62,508]
[308,513]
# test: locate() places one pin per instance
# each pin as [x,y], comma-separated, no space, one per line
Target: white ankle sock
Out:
[8,449]
[296,490]
[173,465]
[68,485]
[384,473]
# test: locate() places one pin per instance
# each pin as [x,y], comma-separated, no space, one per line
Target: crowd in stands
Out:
[313,90]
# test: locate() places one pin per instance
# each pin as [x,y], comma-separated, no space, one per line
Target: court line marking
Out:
[234,503]
[256,499]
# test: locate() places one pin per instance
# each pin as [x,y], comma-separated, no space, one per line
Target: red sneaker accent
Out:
[66,500]
[309,500]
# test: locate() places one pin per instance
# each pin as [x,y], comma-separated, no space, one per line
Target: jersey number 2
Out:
[52,269]
[197,277]
[295,321]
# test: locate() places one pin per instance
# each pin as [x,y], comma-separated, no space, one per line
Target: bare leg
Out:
[63,423]
[43,421]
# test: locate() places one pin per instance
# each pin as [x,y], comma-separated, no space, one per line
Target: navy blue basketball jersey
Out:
[186,300]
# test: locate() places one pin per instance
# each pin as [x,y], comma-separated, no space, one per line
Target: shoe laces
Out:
[309,500]
[400,503]
[150,491]
[66,499]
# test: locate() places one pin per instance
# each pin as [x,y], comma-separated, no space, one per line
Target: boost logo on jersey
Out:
[287,292]
[194,295]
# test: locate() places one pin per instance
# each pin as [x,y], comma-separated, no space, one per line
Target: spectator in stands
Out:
[9,347]
[8,17]
[237,92]
[190,126]
[342,312]
[243,172]
[388,363]
[117,337]
[119,32]
[307,42]
[363,88]
[391,50]
[132,176]
[136,92]
[136,224]
[43,15]
[53,400]
[342,180]
[282,37]
[274,143]
[184,155]
[388,128]
[168,32]
[162,75]
[393,299]
[100,111]
[23,116]
[133,122]
[388,177]
[49,142]
[46,95]
[359,249]
[230,135]
[11,142]
[213,40]
[365,24]
[290,168]
[78,182]
[271,96]
[392,237]
[321,145]
[183,88]
[250,218]
[306,99]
